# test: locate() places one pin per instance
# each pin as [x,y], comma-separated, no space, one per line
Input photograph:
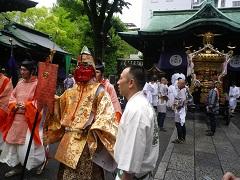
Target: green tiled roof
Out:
[167,20]
[32,38]
[132,37]
[4,39]
[232,13]
[164,22]
[176,20]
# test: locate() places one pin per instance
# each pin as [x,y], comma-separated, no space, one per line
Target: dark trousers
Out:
[213,123]
[161,118]
[181,131]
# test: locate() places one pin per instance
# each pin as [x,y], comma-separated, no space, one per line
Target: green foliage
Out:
[3,20]
[56,23]
[69,26]
[74,7]
[116,47]
[63,31]
[30,17]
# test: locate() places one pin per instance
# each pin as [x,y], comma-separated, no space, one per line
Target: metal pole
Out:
[29,144]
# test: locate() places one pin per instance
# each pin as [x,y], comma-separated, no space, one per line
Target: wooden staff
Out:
[29,144]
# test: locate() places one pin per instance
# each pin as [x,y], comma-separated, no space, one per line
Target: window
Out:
[222,3]
[236,3]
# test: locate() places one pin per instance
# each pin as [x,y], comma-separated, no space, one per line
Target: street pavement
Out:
[200,157]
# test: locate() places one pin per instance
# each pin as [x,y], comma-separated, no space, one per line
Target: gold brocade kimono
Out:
[83,115]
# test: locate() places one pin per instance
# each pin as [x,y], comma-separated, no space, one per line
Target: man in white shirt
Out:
[154,86]
[162,102]
[147,90]
[180,112]
[234,93]
[137,143]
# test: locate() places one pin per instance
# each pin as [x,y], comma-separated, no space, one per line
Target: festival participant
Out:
[69,81]
[230,176]
[162,103]
[110,89]
[137,144]
[147,91]
[84,123]
[5,92]
[17,127]
[154,86]
[234,93]
[180,112]
[212,107]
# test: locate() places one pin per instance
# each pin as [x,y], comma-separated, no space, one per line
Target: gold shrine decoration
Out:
[208,37]
[207,65]
[209,55]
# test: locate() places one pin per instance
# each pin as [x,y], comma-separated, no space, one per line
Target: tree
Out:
[100,14]
[30,17]
[116,47]
[74,30]
[56,23]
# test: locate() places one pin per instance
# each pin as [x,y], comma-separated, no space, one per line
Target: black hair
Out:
[154,78]
[2,70]
[29,65]
[100,67]
[138,74]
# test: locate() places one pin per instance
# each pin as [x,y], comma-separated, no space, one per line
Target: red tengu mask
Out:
[83,73]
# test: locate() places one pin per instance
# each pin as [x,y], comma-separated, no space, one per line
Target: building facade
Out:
[202,43]
[149,6]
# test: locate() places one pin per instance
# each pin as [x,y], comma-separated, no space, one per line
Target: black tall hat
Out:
[100,66]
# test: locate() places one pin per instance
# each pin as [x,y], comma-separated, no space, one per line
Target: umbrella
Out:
[16,5]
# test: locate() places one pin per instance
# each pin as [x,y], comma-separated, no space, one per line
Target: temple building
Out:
[203,43]
[21,42]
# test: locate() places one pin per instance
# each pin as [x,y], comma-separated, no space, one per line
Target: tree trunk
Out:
[99,47]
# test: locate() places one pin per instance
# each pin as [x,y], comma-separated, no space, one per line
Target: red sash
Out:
[30,112]
[4,127]
[3,116]
[4,84]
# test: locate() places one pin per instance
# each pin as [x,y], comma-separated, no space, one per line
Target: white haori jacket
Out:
[137,145]
[180,106]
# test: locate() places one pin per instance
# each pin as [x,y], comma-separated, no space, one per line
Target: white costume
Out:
[12,155]
[173,89]
[162,104]
[147,90]
[137,144]
[172,93]
[154,87]
[180,106]
[176,76]
[234,93]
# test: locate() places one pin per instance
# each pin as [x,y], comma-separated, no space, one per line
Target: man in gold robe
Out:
[83,120]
